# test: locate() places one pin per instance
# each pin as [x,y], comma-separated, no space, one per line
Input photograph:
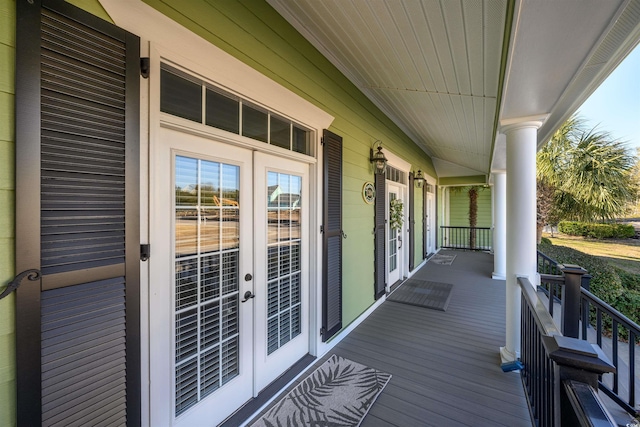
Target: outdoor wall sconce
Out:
[378,159]
[419,179]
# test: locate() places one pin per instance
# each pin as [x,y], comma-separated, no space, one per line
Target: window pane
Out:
[180,97]
[280,133]
[301,141]
[222,112]
[254,123]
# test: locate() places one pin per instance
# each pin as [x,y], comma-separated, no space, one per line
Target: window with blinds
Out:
[284,267]
[206,278]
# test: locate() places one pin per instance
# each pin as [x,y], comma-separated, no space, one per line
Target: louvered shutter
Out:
[77,218]
[332,235]
[412,223]
[435,218]
[380,242]
[424,219]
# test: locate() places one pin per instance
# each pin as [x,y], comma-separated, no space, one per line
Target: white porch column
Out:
[521,221]
[499,225]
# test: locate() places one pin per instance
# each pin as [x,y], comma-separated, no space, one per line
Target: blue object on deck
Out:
[512,366]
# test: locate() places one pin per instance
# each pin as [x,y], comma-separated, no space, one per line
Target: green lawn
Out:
[621,253]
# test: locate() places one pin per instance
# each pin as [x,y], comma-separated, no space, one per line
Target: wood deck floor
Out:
[445,365]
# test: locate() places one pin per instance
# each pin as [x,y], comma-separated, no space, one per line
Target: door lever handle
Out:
[247,296]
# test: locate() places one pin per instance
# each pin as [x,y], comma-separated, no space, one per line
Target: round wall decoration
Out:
[368,192]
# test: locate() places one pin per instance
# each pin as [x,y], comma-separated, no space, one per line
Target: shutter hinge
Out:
[322,229]
[322,140]
[323,331]
[145,252]
[32,275]
[145,65]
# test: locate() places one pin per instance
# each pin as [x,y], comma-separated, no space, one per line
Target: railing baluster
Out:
[614,343]
[599,326]
[473,238]
[632,368]
[583,313]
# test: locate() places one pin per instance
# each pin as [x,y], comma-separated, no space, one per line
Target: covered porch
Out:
[445,365]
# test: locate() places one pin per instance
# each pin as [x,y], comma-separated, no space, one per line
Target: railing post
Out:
[575,360]
[584,314]
[571,299]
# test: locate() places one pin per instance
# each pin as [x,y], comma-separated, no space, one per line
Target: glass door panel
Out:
[282,273]
[206,278]
[201,334]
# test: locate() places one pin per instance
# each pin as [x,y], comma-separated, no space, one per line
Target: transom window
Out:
[396,175]
[186,96]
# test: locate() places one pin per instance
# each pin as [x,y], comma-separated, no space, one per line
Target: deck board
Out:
[445,365]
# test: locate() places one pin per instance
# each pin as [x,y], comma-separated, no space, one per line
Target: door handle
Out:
[400,240]
[247,296]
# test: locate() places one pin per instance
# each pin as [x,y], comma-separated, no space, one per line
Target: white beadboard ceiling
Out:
[433,66]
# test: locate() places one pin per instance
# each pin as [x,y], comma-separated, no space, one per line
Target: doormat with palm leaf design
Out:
[339,393]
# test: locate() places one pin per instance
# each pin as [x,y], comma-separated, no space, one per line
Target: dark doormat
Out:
[423,293]
[443,259]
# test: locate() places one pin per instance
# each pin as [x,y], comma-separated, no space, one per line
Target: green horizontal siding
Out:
[253,32]
[7,208]
[463,180]
[459,207]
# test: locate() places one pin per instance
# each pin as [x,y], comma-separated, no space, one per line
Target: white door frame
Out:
[401,235]
[404,166]
[269,366]
[162,276]
[431,226]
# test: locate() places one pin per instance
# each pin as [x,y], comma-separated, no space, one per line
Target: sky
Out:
[615,106]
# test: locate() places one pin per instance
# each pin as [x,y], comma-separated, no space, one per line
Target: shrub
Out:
[597,231]
[605,281]
[629,304]
[629,280]
[545,242]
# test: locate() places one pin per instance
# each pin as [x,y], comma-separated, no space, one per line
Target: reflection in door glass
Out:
[393,242]
[284,195]
[207,236]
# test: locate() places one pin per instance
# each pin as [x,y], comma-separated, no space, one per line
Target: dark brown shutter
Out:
[380,242]
[77,218]
[435,217]
[424,219]
[332,235]
[412,223]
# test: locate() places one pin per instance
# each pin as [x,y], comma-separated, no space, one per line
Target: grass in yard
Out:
[621,253]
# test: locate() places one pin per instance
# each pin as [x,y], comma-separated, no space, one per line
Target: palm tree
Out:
[590,172]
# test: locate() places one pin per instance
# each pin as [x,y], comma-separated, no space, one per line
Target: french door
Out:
[429,223]
[229,276]
[394,238]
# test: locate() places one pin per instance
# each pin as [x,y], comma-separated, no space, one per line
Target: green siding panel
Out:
[463,180]
[93,7]
[253,32]
[7,209]
[459,207]
[7,22]
[7,68]
[7,170]
[7,116]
